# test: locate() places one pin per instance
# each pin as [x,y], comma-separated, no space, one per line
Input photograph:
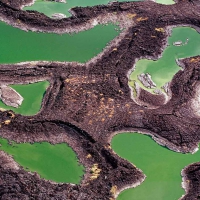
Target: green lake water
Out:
[163,70]
[166,2]
[32,94]
[161,166]
[52,162]
[55,162]
[49,8]
[17,45]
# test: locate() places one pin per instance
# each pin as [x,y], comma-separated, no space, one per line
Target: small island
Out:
[10,97]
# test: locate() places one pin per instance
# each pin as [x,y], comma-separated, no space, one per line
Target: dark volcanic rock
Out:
[17,4]
[191,176]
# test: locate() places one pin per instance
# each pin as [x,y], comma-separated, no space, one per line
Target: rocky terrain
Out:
[86,104]
[191,181]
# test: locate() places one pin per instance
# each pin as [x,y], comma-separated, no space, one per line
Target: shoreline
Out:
[190,175]
[27,4]
[131,186]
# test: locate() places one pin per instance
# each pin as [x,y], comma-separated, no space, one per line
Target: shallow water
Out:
[52,162]
[163,70]
[161,166]
[166,2]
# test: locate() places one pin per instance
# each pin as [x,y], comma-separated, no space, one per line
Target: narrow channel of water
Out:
[52,162]
[161,166]
[166,2]
[32,94]
[163,70]
[18,46]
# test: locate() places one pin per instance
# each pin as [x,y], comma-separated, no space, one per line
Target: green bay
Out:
[161,166]
[49,8]
[35,46]
[52,162]
[163,69]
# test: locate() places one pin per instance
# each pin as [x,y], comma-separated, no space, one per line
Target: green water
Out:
[32,94]
[57,163]
[166,2]
[53,162]
[163,70]
[49,8]
[17,45]
[161,166]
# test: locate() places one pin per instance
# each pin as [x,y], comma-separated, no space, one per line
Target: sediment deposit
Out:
[86,104]
[10,97]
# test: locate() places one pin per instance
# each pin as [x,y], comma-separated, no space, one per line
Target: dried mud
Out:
[86,104]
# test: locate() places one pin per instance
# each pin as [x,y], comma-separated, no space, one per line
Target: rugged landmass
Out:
[18,4]
[15,183]
[191,181]
[86,104]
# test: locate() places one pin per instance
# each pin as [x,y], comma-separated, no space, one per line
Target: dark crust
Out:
[86,104]
[151,99]
[191,176]
[18,184]
[17,4]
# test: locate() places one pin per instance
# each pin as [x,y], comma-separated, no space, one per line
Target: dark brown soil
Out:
[86,104]
[17,4]
[192,180]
